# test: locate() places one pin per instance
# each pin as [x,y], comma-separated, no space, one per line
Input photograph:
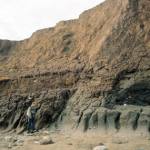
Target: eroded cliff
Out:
[87,73]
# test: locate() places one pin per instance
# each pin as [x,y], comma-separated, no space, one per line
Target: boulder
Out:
[46,140]
[10,139]
[102,147]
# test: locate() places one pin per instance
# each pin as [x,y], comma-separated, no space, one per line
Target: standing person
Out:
[31,112]
[29,119]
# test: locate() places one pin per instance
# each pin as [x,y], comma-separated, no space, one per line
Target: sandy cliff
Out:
[82,71]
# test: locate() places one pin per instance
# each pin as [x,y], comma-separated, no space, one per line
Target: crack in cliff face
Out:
[134,5]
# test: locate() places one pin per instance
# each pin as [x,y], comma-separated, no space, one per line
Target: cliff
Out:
[91,72]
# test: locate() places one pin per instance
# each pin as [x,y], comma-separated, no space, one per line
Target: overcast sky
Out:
[20,18]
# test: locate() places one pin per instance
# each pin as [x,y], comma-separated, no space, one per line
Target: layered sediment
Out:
[92,72]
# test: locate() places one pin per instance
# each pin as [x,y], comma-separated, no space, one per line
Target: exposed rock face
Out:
[81,70]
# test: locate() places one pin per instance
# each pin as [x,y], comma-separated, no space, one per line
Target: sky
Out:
[20,18]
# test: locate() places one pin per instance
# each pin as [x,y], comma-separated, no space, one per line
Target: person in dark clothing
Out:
[31,112]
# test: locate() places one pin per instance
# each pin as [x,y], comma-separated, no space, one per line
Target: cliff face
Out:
[82,71]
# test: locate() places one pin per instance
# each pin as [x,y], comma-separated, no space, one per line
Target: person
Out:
[31,112]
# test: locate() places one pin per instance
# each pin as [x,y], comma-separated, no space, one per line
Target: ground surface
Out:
[78,141]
